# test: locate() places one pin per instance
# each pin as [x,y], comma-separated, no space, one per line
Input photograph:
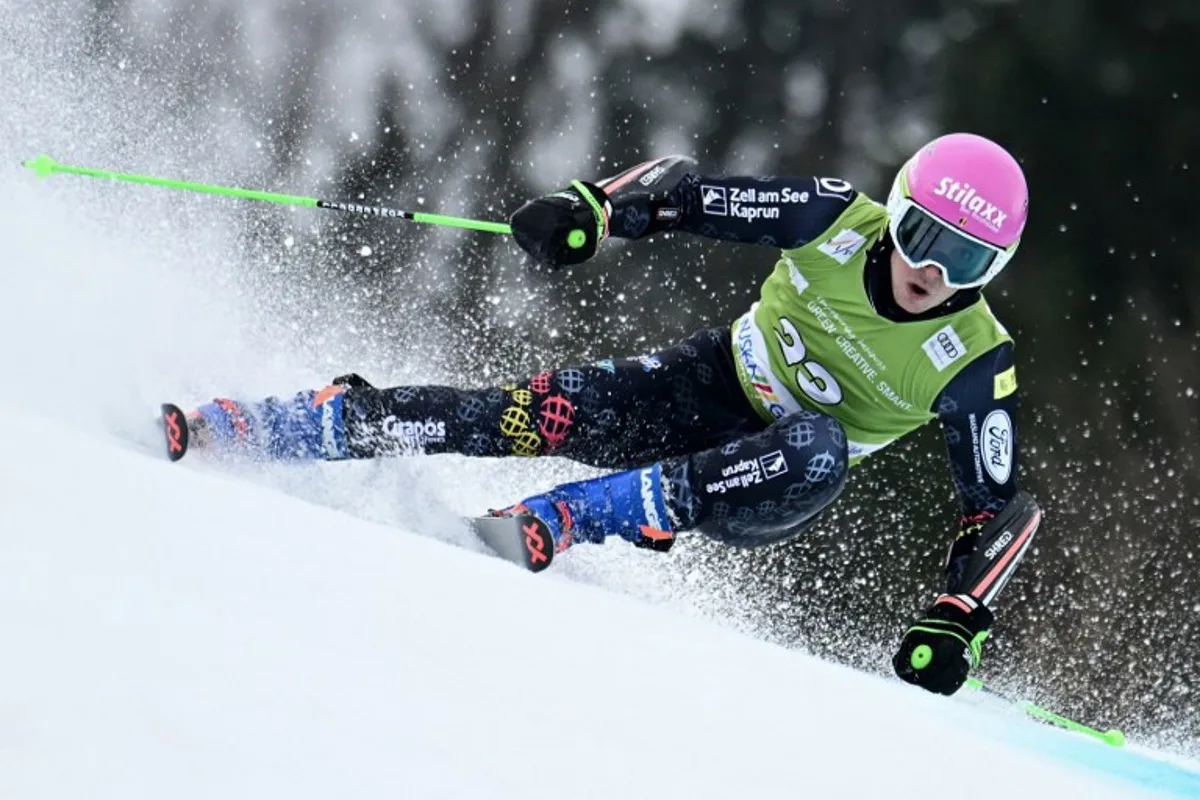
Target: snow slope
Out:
[173,632]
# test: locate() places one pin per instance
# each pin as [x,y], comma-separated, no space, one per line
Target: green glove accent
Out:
[976,646]
[597,210]
[921,656]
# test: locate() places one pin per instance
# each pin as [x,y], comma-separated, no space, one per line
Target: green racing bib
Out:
[813,340]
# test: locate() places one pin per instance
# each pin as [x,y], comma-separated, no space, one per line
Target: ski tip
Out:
[175,430]
[539,543]
[522,539]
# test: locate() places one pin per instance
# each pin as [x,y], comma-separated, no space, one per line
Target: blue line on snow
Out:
[1125,763]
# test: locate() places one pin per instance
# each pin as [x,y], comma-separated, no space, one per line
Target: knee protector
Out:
[767,487]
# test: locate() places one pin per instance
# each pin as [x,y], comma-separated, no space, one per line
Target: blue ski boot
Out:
[629,504]
[307,426]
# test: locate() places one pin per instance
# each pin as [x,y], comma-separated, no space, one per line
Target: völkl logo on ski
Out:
[174,426]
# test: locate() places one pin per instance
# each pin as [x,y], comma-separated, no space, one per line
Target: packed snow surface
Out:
[172,631]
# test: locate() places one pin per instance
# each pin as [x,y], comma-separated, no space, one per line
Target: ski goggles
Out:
[924,240]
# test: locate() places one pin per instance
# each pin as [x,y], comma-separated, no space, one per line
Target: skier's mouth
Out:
[918,290]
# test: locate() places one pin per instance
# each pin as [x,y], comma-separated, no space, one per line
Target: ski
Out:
[522,539]
[175,431]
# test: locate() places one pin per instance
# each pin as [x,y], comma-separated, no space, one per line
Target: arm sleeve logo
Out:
[996,446]
[714,201]
[1005,383]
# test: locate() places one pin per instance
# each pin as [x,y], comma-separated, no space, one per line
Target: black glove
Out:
[939,650]
[565,227]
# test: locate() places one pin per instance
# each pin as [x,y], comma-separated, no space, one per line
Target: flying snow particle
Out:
[364,251]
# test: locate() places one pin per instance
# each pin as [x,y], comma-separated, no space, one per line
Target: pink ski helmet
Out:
[959,204]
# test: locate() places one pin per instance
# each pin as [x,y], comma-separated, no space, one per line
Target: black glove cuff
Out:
[963,611]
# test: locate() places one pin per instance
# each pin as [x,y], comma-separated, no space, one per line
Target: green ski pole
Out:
[1112,736]
[44,166]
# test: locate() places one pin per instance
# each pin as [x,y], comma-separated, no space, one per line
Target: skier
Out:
[870,325]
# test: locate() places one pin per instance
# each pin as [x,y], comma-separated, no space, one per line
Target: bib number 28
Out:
[812,378]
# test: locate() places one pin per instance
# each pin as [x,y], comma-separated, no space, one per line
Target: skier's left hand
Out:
[940,650]
[565,227]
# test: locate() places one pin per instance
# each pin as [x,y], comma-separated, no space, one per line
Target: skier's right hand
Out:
[563,228]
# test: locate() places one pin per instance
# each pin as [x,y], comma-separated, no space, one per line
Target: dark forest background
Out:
[471,107]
